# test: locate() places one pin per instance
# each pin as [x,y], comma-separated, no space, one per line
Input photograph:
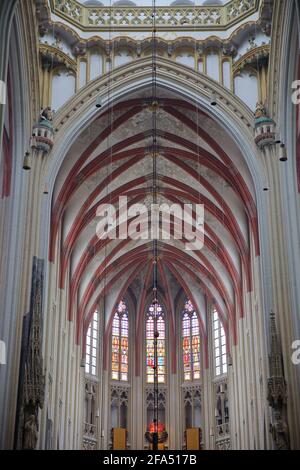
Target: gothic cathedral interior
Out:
[150,224]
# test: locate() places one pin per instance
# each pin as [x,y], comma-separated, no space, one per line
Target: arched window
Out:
[190,343]
[91,355]
[155,313]
[219,342]
[119,368]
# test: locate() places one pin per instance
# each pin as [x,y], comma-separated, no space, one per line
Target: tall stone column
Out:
[277,395]
[280,295]
[41,145]
[32,381]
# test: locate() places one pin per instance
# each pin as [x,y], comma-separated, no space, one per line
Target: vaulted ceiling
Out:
[198,162]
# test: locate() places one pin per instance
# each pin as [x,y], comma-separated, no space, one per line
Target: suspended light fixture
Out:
[213,98]
[283,153]
[277,138]
[154,107]
[98,103]
[27,161]
[46,189]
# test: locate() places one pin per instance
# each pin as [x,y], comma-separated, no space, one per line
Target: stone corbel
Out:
[264,127]
[200,50]
[33,385]
[266,27]
[108,49]
[138,50]
[43,29]
[42,139]
[79,49]
[277,391]
[266,12]
[229,50]
[170,49]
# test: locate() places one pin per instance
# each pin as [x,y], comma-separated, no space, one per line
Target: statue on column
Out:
[260,110]
[33,385]
[30,432]
[264,127]
[280,432]
[46,114]
[42,134]
[277,394]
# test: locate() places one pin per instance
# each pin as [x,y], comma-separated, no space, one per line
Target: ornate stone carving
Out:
[53,55]
[237,7]
[30,432]
[266,12]
[222,423]
[280,432]
[223,444]
[46,115]
[277,393]
[88,444]
[79,49]
[254,57]
[264,127]
[138,50]
[71,8]
[192,394]
[90,432]
[170,49]
[229,49]
[34,379]
[119,397]
[42,135]
[173,17]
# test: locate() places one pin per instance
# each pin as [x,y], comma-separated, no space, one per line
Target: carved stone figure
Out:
[30,433]
[260,110]
[277,395]
[280,433]
[33,387]
[252,43]
[46,114]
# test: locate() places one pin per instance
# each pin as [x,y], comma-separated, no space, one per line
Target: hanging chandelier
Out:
[154,107]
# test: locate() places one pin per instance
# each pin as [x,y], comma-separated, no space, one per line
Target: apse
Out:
[197,162]
[109,159]
[149,235]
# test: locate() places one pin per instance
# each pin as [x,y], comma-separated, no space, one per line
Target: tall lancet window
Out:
[219,341]
[91,355]
[161,344]
[119,368]
[190,343]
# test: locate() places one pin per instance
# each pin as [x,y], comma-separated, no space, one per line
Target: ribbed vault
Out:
[198,162]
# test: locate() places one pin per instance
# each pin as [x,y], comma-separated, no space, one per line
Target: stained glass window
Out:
[91,354]
[161,344]
[219,341]
[190,343]
[119,345]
